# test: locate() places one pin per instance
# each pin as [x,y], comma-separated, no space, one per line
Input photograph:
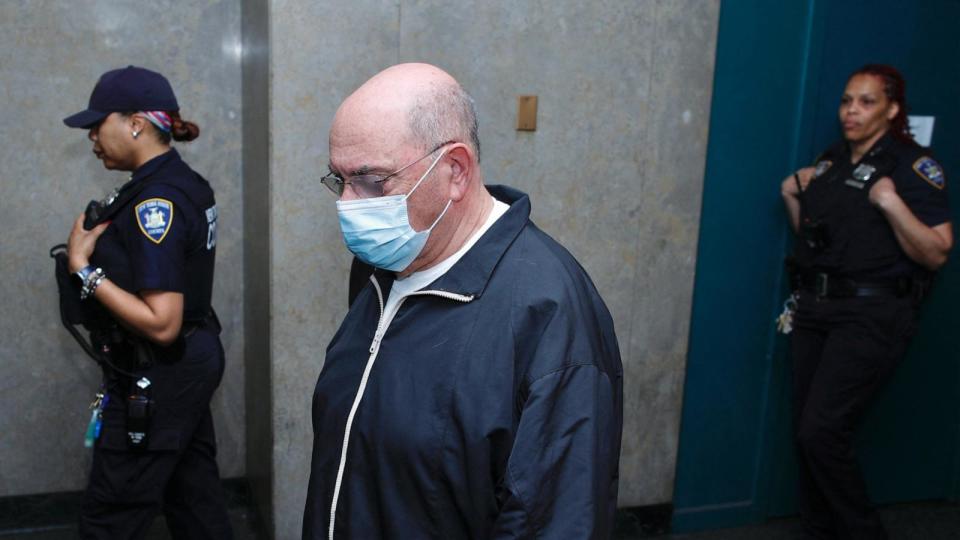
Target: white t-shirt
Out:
[418,280]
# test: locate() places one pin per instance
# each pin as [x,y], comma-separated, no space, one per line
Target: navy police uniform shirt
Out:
[858,240]
[164,237]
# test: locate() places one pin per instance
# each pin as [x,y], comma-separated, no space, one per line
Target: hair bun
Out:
[183,130]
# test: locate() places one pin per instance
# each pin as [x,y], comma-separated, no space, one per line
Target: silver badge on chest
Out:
[861,175]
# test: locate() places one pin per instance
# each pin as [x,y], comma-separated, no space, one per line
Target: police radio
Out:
[815,235]
[97,209]
[139,411]
[92,214]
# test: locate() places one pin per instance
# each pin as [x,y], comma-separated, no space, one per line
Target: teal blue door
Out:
[781,67]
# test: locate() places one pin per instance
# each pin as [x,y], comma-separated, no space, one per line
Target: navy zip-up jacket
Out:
[490,406]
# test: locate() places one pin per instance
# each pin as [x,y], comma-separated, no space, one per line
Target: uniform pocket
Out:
[113,435]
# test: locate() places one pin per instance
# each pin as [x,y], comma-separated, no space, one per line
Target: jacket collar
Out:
[470,275]
[885,142]
[148,168]
[155,164]
[119,198]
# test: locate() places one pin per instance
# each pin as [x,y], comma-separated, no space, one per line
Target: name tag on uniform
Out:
[861,175]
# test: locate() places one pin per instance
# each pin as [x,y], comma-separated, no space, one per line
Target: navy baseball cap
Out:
[121,90]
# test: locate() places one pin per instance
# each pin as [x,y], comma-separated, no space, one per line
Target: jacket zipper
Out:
[382,324]
[374,348]
[464,298]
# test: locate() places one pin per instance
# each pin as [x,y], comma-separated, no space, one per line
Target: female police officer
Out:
[148,269]
[873,226]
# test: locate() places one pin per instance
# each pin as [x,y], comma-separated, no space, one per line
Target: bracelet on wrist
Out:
[80,276]
[92,280]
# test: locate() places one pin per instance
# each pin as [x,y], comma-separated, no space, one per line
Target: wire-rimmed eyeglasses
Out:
[367,186]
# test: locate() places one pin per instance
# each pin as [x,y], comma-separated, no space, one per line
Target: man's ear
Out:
[461,162]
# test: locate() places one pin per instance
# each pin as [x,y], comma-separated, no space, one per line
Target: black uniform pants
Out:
[843,351]
[177,473]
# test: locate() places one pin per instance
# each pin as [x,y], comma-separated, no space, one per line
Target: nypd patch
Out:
[155,217]
[928,169]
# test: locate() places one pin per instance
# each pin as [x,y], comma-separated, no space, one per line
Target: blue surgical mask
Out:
[378,230]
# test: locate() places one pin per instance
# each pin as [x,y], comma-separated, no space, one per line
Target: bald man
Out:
[474,389]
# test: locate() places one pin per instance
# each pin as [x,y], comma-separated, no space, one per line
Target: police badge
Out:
[861,175]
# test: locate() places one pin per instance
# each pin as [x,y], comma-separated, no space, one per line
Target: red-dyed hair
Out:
[182,130]
[895,88]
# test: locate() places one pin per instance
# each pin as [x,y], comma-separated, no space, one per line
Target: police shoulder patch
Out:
[155,216]
[927,168]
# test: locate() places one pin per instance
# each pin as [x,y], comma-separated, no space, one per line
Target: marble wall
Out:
[51,54]
[615,172]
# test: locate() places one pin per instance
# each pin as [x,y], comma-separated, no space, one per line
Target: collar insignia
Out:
[822,167]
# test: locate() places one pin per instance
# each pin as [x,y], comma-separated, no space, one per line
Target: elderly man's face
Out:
[359,148]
